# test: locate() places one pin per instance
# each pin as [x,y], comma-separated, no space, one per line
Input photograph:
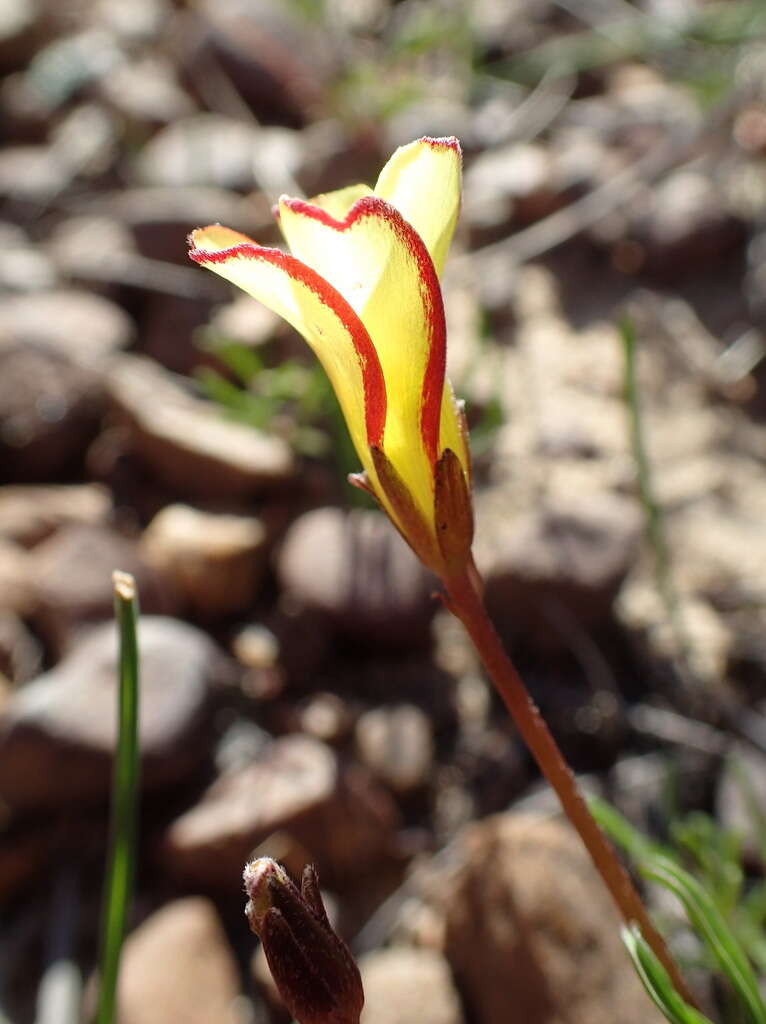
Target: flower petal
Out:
[379,263]
[422,180]
[339,203]
[317,311]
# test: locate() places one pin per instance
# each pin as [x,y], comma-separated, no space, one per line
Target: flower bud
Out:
[312,967]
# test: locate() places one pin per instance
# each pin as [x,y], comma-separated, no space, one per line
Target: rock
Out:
[16,589]
[28,514]
[159,218]
[71,576]
[20,653]
[565,557]
[32,173]
[325,717]
[397,744]
[24,267]
[276,60]
[531,933]
[202,149]
[680,228]
[509,184]
[84,327]
[58,732]
[741,799]
[187,443]
[245,322]
[146,90]
[93,249]
[23,852]
[214,562]
[19,32]
[178,966]
[49,410]
[298,788]
[408,986]
[353,569]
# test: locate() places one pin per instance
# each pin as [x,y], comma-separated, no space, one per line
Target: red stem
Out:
[465,602]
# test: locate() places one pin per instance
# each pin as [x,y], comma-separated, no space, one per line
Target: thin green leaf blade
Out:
[657,983]
[121,867]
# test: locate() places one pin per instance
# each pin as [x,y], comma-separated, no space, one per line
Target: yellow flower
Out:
[361,284]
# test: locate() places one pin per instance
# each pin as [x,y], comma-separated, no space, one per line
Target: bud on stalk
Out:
[312,967]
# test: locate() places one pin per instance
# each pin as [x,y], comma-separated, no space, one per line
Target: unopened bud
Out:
[312,967]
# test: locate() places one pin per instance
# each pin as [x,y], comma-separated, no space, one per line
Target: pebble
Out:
[58,732]
[354,570]
[186,442]
[404,985]
[178,966]
[531,933]
[214,562]
[397,744]
[297,788]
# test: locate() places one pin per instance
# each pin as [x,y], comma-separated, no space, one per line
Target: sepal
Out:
[453,512]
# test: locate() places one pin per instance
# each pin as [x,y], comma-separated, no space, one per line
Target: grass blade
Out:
[121,868]
[710,925]
[701,909]
[657,983]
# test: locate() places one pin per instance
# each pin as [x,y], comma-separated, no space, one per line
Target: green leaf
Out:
[122,853]
[710,925]
[657,983]
[701,909]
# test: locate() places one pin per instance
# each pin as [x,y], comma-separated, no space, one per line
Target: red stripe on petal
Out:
[445,142]
[369,364]
[430,291]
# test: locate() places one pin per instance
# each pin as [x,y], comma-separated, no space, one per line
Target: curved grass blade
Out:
[122,852]
[710,925]
[657,983]
[701,909]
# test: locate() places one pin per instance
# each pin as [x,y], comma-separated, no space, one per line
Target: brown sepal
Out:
[453,512]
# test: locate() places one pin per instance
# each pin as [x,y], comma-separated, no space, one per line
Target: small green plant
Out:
[723,916]
[123,832]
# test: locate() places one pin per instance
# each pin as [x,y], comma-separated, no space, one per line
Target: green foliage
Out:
[725,918]
[699,39]
[125,786]
[657,983]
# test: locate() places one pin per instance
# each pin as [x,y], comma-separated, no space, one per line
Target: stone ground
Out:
[303,693]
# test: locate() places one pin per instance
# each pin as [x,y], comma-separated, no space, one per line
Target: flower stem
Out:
[465,602]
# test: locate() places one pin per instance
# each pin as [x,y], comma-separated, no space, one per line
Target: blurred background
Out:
[303,694]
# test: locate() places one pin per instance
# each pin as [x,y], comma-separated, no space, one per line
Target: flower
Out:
[312,967]
[361,284]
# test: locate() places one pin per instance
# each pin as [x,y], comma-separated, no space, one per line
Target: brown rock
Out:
[186,442]
[177,966]
[84,327]
[408,986]
[531,933]
[16,590]
[58,732]
[49,410]
[201,149]
[20,653]
[23,852]
[28,514]
[298,788]
[353,569]
[214,562]
[566,556]
[71,577]
[397,744]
